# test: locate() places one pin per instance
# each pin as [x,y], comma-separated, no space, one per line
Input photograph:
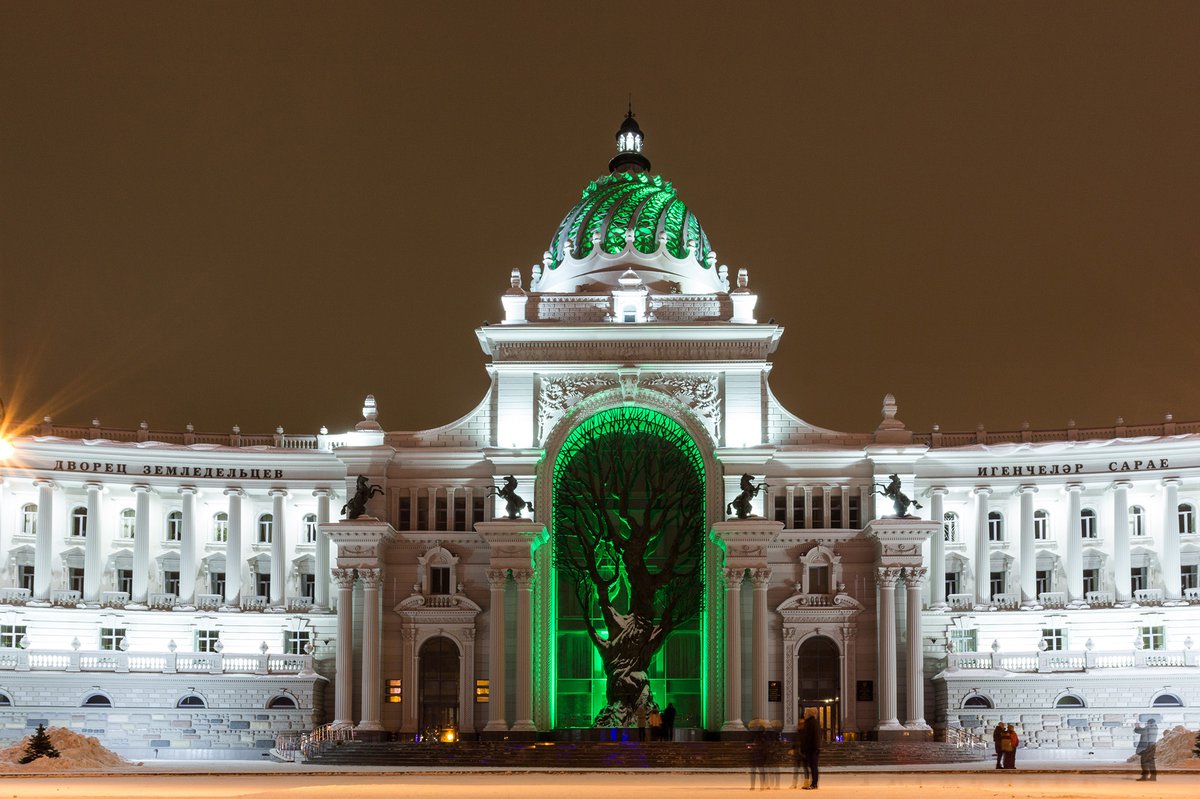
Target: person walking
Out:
[641,722]
[810,745]
[759,751]
[998,736]
[1147,742]
[668,718]
[1009,744]
[799,759]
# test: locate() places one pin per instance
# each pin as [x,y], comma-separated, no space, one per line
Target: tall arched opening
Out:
[438,684]
[628,538]
[819,684]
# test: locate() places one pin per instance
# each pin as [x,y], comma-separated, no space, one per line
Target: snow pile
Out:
[75,752]
[1174,749]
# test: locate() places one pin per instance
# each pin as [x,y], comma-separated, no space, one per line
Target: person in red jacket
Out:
[1009,746]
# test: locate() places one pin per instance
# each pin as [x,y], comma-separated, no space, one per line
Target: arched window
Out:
[1137,520]
[310,528]
[995,526]
[128,522]
[266,526]
[79,522]
[175,526]
[1187,519]
[950,527]
[977,701]
[191,701]
[97,700]
[1041,525]
[1087,523]
[1070,700]
[281,703]
[1167,700]
[5,700]
[29,519]
[220,527]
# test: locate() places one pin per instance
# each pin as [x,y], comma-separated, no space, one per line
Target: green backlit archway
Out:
[629,541]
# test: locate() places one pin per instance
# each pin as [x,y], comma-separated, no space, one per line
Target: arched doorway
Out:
[819,684]
[437,690]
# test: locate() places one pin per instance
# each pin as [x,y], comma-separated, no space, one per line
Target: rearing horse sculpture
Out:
[900,500]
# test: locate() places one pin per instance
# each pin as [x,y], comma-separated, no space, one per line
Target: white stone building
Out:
[1051,579]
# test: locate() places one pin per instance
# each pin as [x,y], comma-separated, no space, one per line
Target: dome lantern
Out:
[629,156]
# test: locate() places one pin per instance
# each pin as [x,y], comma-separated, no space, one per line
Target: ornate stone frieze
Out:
[558,394]
[699,392]
[624,351]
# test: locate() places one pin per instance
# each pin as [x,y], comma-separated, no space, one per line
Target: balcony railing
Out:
[1050,661]
[153,662]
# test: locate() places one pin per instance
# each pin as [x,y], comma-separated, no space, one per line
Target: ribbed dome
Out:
[614,205]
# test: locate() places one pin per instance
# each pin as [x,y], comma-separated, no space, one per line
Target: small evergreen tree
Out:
[39,746]
[1196,751]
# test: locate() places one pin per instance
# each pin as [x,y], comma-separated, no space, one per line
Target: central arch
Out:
[438,685]
[628,541]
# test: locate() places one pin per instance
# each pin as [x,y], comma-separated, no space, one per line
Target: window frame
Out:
[1153,637]
[1041,525]
[950,528]
[79,522]
[264,528]
[29,517]
[206,640]
[173,531]
[995,525]
[1055,638]
[1087,524]
[220,527]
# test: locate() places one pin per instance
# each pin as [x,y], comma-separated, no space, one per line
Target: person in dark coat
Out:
[1146,743]
[668,722]
[760,754]
[800,760]
[810,747]
[998,736]
[1009,744]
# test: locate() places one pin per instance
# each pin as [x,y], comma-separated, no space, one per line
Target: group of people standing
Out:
[1006,740]
[662,724]
[805,751]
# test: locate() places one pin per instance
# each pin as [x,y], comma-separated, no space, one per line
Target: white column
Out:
[885,578]
[343,691]
[846,660]
[790,513]
[733,650]
[1172,582]
[914,580]
[1074,543]
[233,549]
[372,688]
[983,550]
[497,721]
[187,547]
[808,492]
[278,548]
[844,496]
[524,711]
[321,571]
[141,546]
[1121,573]
[44,548]
[937,548]
[758,689]
[1028,559]
[93,548]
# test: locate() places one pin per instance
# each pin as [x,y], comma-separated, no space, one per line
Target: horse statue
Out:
[363,491]
[513,501]
[741,503]
[900,500]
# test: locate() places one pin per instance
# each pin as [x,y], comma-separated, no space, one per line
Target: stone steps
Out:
[591,755]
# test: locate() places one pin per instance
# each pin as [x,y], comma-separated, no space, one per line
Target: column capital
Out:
[914,576]
[496,578]
[92,485]
[141,488]
[344,578]
[1073,487]
[981,491]
[733,578]
[937,491]
[322,492]
[761,578]
[524,578]
[1121,485]
[45,482]
[848,634]
[189,490]
[277,492]
[372,578]
[234,491]
[886,576]
[1168,482]
[1027,489]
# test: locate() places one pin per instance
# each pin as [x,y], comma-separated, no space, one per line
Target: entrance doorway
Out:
[438,685]
[819,684]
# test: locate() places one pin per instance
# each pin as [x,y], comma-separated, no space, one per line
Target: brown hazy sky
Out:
[256,213]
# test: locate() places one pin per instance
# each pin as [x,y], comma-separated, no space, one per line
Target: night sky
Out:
[256,213]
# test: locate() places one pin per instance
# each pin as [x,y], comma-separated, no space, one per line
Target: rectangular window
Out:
[439,579]
[171,582]
[964,640]
[25,577]
[818,511]
[835,509]
[395,691]
[310,529]
[11,635]
[294,641]
[477,506]
[951,583]
[125,580]
[798,510]
[175,527]
[404,513]
[1055,638]
[423,511]
[75,579]
[995,527]
[855,512]
[1137,578]
[1042,581]
[818,579]
[1041,526]
[216,583]
[262,584]
[460,513]
[1087,524]
[308,586]
[221,528]
[206,640]
[79,524]
[781,508]
[1189,576]
[997,583]
[110,638]
[439,507]
[1091,580]
[1154,637]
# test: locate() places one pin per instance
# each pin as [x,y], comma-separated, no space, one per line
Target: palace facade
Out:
[200,593]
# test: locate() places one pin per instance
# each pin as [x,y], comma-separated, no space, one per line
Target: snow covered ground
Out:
[1059,784]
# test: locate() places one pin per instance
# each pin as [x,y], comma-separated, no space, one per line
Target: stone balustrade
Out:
[153,662]
[1049,661]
